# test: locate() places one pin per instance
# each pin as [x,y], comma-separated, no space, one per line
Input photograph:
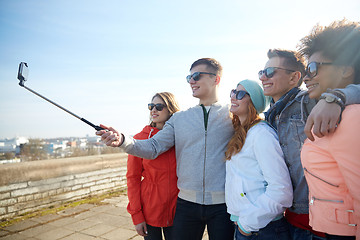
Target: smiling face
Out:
[240,107]
[159,117]
[205,87]
[282,81]
[328,76]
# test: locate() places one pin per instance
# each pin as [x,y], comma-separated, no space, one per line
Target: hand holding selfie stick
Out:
[22,76]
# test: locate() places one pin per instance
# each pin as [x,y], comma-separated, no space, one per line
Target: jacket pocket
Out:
[344,217]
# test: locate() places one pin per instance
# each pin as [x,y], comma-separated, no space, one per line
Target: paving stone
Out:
[17,236]
[104,222]
[3,232]
[138,237]
[119,212]
[103,208]
[80,225]
[85,206]
[33,232]
[71,211]
[119,234]
[54,234]
[64,221]
[108,219]
[85,215]
[46,218]
[19,226]
[98,230]
[79,236]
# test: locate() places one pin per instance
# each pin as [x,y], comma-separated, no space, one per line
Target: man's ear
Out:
[217,80]
[295,77]
[347,72]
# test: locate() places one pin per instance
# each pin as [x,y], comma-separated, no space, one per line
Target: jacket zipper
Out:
[335,185]
[204,168]
[324,200]
[206,117]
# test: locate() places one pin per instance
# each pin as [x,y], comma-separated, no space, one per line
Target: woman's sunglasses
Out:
[312,68]
[239,94]
[196,76]
[270,71]
[157,106]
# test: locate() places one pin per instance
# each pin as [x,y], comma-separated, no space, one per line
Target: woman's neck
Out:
[159,125]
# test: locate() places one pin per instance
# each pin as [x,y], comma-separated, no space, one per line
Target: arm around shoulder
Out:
[352,94]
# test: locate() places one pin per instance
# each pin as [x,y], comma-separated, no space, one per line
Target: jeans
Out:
[337,237]
[302,234]
[154,233]
[191,218]
[274,230]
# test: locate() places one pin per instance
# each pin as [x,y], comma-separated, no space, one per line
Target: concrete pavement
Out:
[107,221]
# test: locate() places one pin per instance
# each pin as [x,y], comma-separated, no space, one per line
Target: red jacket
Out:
[152,186]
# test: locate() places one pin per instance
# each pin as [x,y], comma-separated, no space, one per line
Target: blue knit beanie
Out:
[256,94]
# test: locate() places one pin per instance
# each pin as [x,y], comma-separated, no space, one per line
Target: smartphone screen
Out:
[23,71]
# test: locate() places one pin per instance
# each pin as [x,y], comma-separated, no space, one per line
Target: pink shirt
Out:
[332,170]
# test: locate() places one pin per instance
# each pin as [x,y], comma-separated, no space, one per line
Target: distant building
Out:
[12,145]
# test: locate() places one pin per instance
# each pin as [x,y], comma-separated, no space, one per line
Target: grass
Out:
[95,199]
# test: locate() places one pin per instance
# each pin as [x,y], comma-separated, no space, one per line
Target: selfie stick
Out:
[22,79]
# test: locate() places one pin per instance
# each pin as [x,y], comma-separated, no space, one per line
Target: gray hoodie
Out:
[200,151]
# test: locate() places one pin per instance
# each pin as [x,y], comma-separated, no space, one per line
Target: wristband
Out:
[332,98]
[123,140]
[337,93]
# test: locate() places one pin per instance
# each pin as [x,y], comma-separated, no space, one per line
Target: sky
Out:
[104,60]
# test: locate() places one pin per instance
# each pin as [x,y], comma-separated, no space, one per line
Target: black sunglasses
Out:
[196,76]
[239,94]
[158,106]
[270,71]
[312,68]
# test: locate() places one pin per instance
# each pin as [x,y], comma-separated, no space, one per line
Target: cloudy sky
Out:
[104,60]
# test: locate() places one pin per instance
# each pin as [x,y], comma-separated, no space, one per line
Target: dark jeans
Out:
[337,237]
[191,218]
[302,234]
[274,230]
[154,233]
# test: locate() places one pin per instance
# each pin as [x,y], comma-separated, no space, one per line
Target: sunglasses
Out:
[270,71]
[196,76]
[157,106]
[312,68]
[239,94]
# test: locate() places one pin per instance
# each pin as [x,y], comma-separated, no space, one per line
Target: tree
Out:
[33,150]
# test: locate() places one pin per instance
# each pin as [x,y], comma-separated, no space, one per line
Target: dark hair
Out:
[340,42]
[211,64]
[292,60]
[170,101]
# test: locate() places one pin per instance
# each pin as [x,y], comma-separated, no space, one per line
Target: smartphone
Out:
[23,72]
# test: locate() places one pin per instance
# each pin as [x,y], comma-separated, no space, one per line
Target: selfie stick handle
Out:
[97,128]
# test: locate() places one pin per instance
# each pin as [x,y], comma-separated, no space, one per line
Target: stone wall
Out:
[29,186]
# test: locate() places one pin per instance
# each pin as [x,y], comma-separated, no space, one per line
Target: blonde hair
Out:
[238,139]
[170,101]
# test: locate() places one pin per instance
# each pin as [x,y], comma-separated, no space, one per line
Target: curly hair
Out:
[340,42]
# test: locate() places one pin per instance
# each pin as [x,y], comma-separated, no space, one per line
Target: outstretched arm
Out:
[110,136]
